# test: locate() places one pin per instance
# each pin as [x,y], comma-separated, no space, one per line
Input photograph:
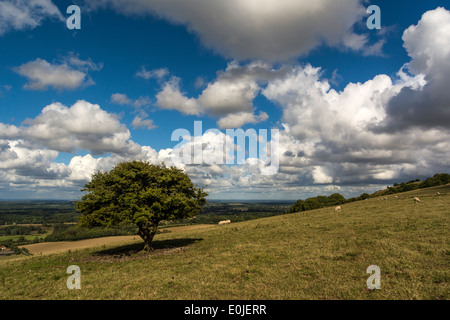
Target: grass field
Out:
[27,237]
[317,254]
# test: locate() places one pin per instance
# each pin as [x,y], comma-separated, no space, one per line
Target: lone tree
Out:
[140,193]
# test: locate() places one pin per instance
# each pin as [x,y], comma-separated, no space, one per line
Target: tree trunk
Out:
[147,232]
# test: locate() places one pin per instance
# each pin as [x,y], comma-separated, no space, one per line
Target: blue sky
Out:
[76,101]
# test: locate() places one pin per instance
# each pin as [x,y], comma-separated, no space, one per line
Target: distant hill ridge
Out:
[337,199]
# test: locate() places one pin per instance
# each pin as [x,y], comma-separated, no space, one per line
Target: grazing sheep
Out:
[224,222]
[337,209]
[416,200]
[395,197]
[437,193]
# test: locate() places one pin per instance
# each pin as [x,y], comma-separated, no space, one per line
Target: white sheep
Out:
[337,209]
[224,222]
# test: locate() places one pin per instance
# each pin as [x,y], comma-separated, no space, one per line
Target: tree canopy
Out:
[140,193]
[317,202]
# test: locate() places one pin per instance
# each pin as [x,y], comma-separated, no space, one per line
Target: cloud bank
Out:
[369,133]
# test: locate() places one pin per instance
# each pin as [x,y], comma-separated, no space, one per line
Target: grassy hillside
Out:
[316,254]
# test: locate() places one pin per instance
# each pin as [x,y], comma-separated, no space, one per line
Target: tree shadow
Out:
[159,246]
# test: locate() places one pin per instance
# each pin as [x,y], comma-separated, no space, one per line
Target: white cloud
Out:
[69,75]
[328,136]
[83,126]
[229,96]
[171,98]
[74,60]
[120,98]
[26,14]
[23,160]
[83,167]
[124,100]
[427,106]
[140,123]
[428,42]
[272,30]
[152,74]
[237,120]
[8,131]
[320,177]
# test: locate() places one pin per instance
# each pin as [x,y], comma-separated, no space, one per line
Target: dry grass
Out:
[63,246]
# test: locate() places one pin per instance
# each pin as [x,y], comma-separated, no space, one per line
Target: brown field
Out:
[58,247]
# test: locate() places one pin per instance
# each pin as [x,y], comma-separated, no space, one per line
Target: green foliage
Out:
[139,193]
[437,180]
[364,196]
[20,230]
[71,233]
[318,202]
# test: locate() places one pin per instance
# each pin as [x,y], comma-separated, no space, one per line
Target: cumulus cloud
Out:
[272,31]
[29,169]
[83,167]
[83,126]
[329,133]
[20,161]
[171,98]
[120,98]
[237,120]
[140,123]
[428,45]
[320,176]
[124,100]
[8,131]
[71,74]
[230,96]
[227,96]
[25,15]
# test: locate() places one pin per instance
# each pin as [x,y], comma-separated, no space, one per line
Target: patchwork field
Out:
[316,254]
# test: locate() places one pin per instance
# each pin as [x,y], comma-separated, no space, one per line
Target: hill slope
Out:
[316,254]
